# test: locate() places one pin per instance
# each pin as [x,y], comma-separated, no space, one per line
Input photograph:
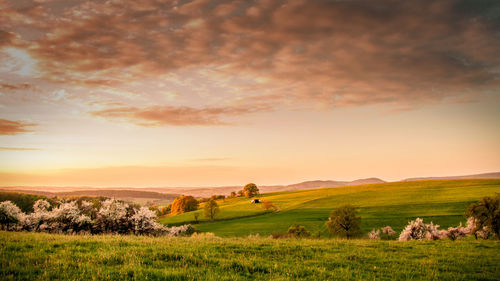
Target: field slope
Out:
[441,201]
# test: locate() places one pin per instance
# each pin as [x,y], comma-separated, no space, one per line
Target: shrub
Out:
[183,230]
[113,217]
[10,215]
[268,205]
[374,234]
[144,222]
[344,222]
[72,217]
[454,233]
[388,231]
[184,204]
[418,230]
[298,231]
[211,209]
[486,214]
[250,190]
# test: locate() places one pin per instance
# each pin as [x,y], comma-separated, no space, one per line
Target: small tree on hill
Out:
[344,222]
[268,205]
[233,194]
[250,190]
[486,214]
[184,204]
[211,209]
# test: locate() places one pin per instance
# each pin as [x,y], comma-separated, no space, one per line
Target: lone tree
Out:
[184,204]
[486,214]
[344,222]
[250,190]
[211,209]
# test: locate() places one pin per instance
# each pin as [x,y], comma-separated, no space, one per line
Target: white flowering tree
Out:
[82,217]
[10,215]
[113,217]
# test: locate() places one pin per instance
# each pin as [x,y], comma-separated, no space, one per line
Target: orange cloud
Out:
[18,148]
[333,53]
[175,116]
[8,127]
[24,86]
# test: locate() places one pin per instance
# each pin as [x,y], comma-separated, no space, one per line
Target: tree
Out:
[9,214]
[344,222]
[184,204]
[268,205]
[196,215]
[211,209]
[233,194]
[486,214]
[250,190]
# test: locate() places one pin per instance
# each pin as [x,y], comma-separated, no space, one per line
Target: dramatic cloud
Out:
[301,53]
[8,127]
[174,116]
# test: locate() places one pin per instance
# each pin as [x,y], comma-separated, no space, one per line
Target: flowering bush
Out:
[82,217]
[418,230]
[455,233]
[10,215]
[374,234]
[388,231]
[183,230]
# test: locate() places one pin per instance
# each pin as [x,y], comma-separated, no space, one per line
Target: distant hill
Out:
[477,176]
[166,194]
[136,195]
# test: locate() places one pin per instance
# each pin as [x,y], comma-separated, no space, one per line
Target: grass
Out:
[36,256]
[441,201]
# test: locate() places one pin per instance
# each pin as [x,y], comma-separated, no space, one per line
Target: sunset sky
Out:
[207,93]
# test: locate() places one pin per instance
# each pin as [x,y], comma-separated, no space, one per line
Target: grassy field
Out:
[36,256]
[441,201]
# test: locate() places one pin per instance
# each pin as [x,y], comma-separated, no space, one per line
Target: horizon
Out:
[415,178]
[222,93]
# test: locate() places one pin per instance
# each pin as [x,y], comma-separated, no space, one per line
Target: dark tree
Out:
[344,222]
[211,209]
[486,214]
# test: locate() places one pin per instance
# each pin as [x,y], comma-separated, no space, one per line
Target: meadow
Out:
[39,256]
[442,201]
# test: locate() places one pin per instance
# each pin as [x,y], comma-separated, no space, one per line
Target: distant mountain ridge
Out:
[169,193]
[476,176]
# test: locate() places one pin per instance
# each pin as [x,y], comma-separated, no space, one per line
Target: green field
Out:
[36,256]
[442,201]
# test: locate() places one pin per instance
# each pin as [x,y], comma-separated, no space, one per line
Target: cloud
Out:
[8,127]
[175,116]
[17,149]
[215,159]
[23,86]
[331,53]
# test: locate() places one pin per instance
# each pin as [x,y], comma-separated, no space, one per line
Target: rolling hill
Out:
[441,201]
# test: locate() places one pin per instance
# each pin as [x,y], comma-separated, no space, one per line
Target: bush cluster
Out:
[83,217]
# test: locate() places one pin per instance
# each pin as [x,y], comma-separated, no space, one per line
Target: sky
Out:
[209,93]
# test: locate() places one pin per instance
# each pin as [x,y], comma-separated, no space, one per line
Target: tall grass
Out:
[37,256]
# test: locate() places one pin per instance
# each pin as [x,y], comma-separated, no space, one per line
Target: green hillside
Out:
[441,201]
